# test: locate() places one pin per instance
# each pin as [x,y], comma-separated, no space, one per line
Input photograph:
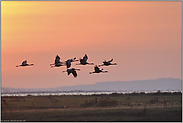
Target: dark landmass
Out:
[158,106]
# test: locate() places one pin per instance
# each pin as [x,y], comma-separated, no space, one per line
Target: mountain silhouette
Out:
[163,84]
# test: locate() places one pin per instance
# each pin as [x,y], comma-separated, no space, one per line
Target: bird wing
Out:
[96,68]
[24,62]
[57,59]
[110,60]
[68,63]
[68,72]
[57,56]
[74,73]
[85,57]
[82,61]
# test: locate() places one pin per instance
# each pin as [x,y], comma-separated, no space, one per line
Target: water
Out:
[79,93]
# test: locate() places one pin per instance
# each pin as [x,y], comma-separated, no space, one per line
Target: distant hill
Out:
[158,84]
[163,84]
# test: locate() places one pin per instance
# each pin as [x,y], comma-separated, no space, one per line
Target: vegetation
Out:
[113,107]
[99,102]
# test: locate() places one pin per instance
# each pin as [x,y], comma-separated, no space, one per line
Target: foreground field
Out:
[113,107]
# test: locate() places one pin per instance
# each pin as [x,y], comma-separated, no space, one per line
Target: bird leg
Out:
[52,64]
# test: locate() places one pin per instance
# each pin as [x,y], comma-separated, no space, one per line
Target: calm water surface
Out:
[76,93]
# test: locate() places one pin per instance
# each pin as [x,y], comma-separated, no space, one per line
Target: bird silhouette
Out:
[84,61]
[57,59]
[72,60]
[107,63]
[73,71]
[68,62]
[57,63]
[97,70]
[24,63]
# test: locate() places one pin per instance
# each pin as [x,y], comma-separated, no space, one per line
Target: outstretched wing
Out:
[110,60]
[74,73]
[96,68]
[82,61]
[68,72]
[68,63]
[57,59]
[24,62]
[85,57]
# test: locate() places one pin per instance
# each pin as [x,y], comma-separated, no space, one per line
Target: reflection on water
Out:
[79,93]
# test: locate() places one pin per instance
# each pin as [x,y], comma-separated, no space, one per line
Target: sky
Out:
[143,38]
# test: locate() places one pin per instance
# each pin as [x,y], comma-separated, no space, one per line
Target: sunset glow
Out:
[143,38]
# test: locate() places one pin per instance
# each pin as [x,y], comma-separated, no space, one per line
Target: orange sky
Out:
[144,38]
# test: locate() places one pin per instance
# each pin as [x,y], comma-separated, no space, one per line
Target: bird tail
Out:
[52,66]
